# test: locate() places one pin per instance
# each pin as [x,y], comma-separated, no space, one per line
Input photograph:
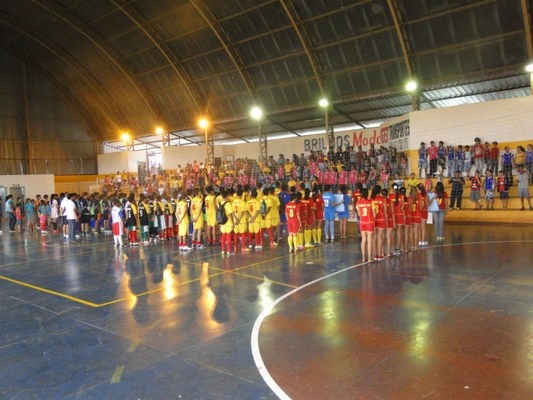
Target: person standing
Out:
[254,221]
[294,224]
[329,214]
[489,185]
[71,216]
[475,190]
[457,183]
[144,220]
[503,184]
[117,223]
[477,154]
[442,203]
[380,220]
[182,217]
[433,154]
[319,217]
[523,178]
[131,220]
[366,214]
[210,216]
[197,218]
[10,210]
[54,211]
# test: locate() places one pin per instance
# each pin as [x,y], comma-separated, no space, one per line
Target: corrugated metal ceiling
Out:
[134,65]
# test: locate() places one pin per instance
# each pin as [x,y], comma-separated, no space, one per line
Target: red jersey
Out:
[390,213]
[365,210]
[399,214]
[380,208]
[304,207]
[319,208]
[442,201]
[292,211]
[310,211]
[423,205]
[407,211]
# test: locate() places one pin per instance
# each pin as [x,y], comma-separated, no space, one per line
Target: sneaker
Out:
[185,248]
[258,247]
[309,245]
[200,246]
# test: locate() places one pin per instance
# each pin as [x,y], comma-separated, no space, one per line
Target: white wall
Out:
[503,121]
[110,163]
[33,184]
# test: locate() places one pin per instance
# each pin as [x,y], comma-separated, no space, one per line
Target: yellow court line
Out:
[41,289]
[115,301]
[117,374]
[133,346]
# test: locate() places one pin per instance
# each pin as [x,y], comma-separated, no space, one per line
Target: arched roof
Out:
[137,64]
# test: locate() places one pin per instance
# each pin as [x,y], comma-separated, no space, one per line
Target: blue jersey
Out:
[507,158]
[489,183]
[329,208]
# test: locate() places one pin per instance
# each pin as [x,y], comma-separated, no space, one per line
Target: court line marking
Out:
[256,353]
[254,340]
[52,292]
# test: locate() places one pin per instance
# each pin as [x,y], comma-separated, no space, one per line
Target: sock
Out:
[307,236]
[300,239]
[290,242]
[319,234]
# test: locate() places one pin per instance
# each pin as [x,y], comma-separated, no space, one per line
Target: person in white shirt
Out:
[71,214]
[118,223]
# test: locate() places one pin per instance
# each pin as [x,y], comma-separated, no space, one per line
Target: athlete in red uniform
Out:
[391,225]
[294,224]
[380,207]
[366,213]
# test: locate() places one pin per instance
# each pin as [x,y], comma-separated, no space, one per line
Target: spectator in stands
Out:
[477,154]
[529,161]
[523,178]
[422,160]
[433,154]
[457,183]
[503,184]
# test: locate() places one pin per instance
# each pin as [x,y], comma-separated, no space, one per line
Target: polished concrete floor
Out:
[88,321]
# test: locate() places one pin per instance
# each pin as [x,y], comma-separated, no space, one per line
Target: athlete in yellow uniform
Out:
[182,218]
[210,216]
[197,220]
[254,220]
[240,219]
[227,228]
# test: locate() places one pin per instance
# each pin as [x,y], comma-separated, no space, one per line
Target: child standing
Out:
[18,216]
[118,224]
[522,176]
[457,183]
[489,186]
[503,185]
